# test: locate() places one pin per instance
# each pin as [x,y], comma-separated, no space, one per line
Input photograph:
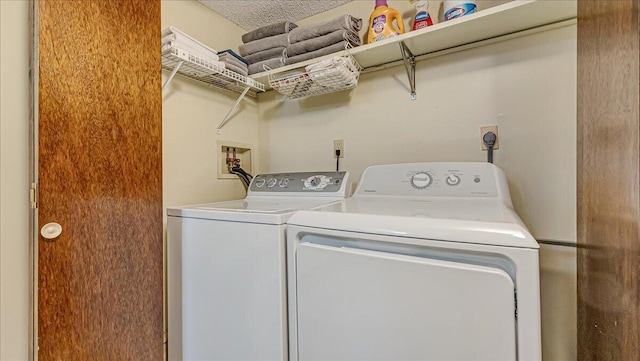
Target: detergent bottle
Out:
[422,18]
[456,8]
[381,22]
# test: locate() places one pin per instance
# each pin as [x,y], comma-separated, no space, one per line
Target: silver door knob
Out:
[51,230]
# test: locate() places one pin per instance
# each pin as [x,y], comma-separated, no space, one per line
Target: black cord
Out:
[238,169]
[489,138]
[242,177]
[337,160]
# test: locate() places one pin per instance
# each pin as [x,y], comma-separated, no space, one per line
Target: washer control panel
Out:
[332,183]
[434,179]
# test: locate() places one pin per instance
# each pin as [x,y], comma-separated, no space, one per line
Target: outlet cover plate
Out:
[338,144]
[490,128]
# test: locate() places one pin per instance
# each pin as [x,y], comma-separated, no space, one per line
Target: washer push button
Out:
[453,180]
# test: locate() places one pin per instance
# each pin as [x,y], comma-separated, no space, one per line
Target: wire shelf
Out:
[208,72]
[341,73]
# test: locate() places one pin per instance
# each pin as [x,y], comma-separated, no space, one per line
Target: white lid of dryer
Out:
[458,202]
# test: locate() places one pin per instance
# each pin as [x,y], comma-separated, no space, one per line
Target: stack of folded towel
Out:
[234,62]
[176,39]
[312,41]
[266,46]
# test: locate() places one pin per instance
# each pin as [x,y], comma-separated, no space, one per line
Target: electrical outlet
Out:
[484,130]
[338,144]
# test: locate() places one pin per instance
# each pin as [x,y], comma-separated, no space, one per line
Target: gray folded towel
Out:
[265,54]
[268,30]
[277,41]
[318,53]
[242,70]
[230,53]
[233,61]
[271,63]
[323,41]
[343,22]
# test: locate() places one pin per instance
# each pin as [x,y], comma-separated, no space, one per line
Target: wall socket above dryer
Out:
[338,145]
[485,130]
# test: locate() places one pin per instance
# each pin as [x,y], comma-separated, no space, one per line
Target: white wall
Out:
[192,111]
[530,81]
[527,86]
[558,288]
[14,180]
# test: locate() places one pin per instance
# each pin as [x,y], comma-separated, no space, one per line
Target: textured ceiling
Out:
[252,14]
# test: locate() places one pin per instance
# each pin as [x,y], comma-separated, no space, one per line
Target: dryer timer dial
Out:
[421,180]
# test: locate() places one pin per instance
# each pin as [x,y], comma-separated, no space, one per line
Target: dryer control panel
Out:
[301,184]
[435,179]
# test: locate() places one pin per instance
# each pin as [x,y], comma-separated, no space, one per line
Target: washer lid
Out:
[269,210]
[478,221]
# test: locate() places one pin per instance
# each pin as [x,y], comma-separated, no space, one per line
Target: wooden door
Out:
[608,180]
[99,176]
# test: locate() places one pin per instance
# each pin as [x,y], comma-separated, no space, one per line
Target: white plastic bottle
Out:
[457,8]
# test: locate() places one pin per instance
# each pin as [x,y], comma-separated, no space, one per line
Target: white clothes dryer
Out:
[426,261]
[226,268]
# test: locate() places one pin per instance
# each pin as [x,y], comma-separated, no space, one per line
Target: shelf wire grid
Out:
[341,75]
[208,72]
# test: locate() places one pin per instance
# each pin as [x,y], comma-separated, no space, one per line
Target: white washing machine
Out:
[426,261]
[226,268]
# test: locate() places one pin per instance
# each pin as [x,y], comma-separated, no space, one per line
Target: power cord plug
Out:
[489,138]
[337,160]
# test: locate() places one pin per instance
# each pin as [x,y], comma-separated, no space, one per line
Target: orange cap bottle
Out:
[381,24]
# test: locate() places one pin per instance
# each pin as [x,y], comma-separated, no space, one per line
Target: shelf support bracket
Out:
[226,117]
[173,73]
[410,67]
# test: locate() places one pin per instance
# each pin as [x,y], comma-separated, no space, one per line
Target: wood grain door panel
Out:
[608,180]
[100,177]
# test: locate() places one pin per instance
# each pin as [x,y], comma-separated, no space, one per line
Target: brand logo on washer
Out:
[370,191]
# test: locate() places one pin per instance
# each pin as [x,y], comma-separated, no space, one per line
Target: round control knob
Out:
[272,182]
[421,180]
[260,182]
[453,180]
[284,182]
[317,182]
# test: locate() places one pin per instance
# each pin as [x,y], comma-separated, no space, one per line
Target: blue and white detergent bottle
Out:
[457,8]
